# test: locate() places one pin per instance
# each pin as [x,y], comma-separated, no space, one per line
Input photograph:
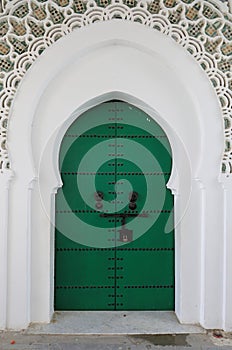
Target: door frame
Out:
[160,71]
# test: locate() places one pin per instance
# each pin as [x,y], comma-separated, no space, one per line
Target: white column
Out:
[42,256]
[43,221]
[213,251]
[19,242]
[4,187]
[188,255]
[228,253]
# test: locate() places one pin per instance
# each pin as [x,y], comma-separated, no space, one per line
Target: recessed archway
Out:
[164,81]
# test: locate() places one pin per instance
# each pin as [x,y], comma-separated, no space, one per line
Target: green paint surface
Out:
[114,148]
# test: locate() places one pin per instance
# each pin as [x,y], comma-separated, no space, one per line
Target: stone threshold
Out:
[113,323]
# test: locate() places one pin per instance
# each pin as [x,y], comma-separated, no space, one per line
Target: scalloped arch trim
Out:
[27,28]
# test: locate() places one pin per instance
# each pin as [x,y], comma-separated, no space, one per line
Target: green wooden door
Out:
[114,215]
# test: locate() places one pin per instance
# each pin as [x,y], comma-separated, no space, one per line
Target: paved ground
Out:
[23,341]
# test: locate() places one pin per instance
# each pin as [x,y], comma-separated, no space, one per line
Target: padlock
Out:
[125,235]
[125,238]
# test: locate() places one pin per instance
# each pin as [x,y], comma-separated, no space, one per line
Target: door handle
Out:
[98,196]
[132,205]
[133,196]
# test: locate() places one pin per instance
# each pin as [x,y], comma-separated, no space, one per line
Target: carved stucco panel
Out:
[27,28]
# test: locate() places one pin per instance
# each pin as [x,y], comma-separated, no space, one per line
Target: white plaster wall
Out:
[127,61]
[4,208]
